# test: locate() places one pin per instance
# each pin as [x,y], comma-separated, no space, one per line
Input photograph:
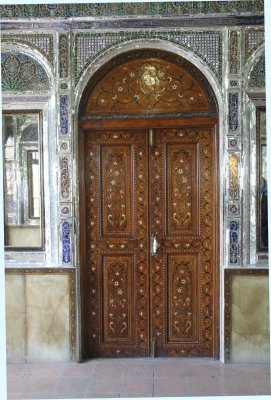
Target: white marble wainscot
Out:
[247,328]
[40,316]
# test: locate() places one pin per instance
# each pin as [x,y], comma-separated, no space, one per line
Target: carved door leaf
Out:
[182,217]
[138,301]
[116,185]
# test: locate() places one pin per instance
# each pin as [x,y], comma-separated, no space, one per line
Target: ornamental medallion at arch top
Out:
[148,156]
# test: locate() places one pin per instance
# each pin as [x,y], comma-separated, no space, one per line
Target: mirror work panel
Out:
[22,180]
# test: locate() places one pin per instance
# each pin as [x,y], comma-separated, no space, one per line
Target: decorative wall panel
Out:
[147,85]
[63,56]
[130,9]
[233,52]
[57,286]
[234,250]
[66,242]
[182,298]
[64,118]
[42,42]
[182,196]
[22,73]
[116,190]
[233,176]
[233,111]
[65,178]
[257,75]
[249,303]
[207,45]
[253,39]
[118,299]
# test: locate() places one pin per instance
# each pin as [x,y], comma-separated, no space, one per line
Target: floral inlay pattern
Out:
[234,176]
[116,249]
[181,182]
[116,202]
[181,298]
[147,85]
[257,75]
[21,73]
[117,298]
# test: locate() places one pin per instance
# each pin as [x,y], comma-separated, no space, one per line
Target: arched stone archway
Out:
[148,161]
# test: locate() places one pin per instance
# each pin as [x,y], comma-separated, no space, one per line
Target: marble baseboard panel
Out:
[40,314]
[247,328]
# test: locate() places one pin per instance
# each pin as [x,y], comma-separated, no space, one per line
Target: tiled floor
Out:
[146,377]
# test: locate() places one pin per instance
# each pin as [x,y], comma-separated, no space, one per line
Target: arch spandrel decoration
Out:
[21,72]
[149,84]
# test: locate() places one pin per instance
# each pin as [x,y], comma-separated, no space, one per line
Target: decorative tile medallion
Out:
[64,122]
[64,86]
[22,73]
[66,242]
[233,83]
[234,227]
[233,209]
[65,210]
[234,143]
[64,146]
[233,111]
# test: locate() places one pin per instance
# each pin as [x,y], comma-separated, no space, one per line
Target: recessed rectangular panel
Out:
[116,190]
[182,313]
[118,304]
[182,189]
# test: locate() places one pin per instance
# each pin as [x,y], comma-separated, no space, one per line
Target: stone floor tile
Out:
[169,386]
[204,386]
[104,384]
[238,386]
[136,386]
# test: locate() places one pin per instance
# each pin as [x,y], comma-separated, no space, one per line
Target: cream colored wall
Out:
[37,317]
[250,319]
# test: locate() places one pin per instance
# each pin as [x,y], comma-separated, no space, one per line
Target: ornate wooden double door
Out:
[151,218]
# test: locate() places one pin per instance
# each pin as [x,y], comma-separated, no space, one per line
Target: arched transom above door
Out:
[149,83]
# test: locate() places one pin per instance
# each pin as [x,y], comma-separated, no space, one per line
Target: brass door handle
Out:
[153,245]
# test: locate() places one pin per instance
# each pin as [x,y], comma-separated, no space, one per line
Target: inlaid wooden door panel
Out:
[182,218]
[116,187]
[140,303]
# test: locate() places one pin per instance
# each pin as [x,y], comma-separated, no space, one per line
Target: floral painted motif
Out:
[21,73]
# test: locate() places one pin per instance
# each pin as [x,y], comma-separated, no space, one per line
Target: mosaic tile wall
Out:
[206,44]
[71,53]
[172,9]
